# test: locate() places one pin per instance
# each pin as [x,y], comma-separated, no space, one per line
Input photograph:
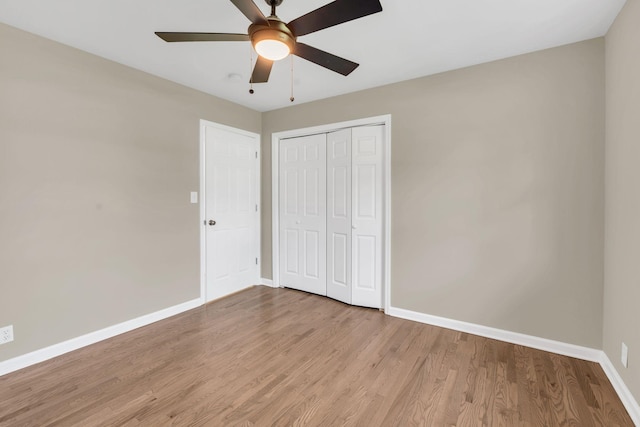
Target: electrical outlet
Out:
[6,334]
[624,355]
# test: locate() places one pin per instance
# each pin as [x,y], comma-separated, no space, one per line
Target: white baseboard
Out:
[621,388]
[55,350]
[559,347]
[267,282]
[544,344]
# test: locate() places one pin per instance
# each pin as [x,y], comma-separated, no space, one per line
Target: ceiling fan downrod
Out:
[273,4]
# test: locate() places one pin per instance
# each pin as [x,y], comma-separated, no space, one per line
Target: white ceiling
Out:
[408,39]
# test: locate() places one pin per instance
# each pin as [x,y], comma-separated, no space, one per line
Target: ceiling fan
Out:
[274,40]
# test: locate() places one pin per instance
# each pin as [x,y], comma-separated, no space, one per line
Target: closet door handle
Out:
[353,227]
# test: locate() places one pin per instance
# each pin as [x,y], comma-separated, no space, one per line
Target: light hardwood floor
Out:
[276,357]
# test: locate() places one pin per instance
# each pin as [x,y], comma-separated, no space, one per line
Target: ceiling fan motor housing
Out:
[276,30]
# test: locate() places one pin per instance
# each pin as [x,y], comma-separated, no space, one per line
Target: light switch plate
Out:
[194,197]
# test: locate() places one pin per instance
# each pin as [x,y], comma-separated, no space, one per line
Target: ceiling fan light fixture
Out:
[274,41]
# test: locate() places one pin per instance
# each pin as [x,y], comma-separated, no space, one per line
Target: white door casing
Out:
[302,206]
[339,215]
[231,189]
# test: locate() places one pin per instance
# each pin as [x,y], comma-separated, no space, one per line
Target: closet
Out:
[331,214]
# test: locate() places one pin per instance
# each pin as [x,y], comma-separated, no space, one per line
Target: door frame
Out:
[203,199]
[275,178]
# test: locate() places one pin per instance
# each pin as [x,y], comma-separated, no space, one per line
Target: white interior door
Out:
[302,207]
[339,215]
[231,210]
[367,215]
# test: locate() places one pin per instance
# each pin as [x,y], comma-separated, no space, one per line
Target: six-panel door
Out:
[303,229]
[231,209]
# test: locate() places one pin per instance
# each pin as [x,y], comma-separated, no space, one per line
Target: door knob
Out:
[212,222]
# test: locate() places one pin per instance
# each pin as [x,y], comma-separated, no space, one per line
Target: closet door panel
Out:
[367,221]
[303,213]
[339,215]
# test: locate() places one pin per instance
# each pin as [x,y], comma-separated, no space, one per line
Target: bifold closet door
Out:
[331,214]
[339,215]
[303,229]
[367,145]
[354,215]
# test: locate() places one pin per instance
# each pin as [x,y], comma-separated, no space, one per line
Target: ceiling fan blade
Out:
[325,59]
[251,11]
[202,37]
[261,71]
[334,13]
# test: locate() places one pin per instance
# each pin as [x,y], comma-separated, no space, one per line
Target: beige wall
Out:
[96,164]
[498,188]
[622,225]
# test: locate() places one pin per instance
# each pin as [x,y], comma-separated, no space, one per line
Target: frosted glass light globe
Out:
[273,50]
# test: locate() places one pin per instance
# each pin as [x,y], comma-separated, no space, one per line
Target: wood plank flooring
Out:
[277,357]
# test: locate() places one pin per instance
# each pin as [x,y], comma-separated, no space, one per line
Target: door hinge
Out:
[256,154]
[256,261]
[256,208]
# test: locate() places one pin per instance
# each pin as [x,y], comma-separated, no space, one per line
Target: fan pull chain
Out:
[251,69]
[292,98]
